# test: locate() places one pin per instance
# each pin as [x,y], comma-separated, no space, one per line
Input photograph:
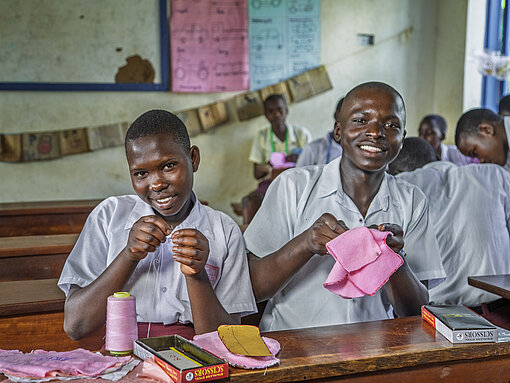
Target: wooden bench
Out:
[47,217]
[34,257]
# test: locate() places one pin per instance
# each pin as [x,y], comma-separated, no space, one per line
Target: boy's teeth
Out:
[369,148]
[164,200]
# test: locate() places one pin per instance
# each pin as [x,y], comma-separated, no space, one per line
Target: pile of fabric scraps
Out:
[213,343]
[364,262]
[40,365]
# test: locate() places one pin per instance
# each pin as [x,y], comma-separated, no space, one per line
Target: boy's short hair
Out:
[382,86]
[438,120]
[159,121]
[469,121]
[339,106]
[415,153]
[275,97]
[504,105]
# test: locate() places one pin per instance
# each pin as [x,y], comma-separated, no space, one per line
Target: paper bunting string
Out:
[55,144]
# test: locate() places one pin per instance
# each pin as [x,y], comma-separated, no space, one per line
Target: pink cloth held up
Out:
[278,161]
[212,343]
[41,364]
[364,262]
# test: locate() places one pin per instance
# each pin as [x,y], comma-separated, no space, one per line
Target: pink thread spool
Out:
[121,326]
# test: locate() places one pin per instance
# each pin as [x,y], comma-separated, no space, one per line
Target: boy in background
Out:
[183,261]
[322,150]
[305,208]
[433,129]
[470,208]
[483,134]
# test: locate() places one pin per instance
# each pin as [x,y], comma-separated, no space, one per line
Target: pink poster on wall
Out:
[209,45]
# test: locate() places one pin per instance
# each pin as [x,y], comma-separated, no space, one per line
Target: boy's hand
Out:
[146,235]
[326,228]
[395,241]
[191,250]
[293,157]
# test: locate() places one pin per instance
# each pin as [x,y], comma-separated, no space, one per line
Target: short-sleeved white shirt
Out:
[261,148]
[294,201]
[452,154]
[320,151]
[157,282]
[470,208]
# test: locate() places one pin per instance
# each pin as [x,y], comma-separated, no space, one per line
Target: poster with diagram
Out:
[284,39]
[209,45]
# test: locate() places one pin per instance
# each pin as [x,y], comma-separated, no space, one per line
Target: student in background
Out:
[504,106]
[470,208]
[322,150]
[483,134]
[181,260]
[278,137]
[304,208]
[433,129]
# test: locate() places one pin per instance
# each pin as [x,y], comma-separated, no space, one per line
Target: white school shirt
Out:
[293,202]
[261,148]
[320,151]
[452,154]
[470,208]
[157,282]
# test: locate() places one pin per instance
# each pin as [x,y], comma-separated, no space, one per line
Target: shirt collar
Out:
[291,132]
[196,219]
[330,183]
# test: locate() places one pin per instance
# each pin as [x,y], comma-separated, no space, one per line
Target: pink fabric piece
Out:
[212,343]
[277,161]
[41,364]
[152,370]
[364,262]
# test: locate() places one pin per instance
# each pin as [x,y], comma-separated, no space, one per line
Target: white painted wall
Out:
[409,48]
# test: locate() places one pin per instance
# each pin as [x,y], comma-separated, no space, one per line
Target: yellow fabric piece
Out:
[243,340]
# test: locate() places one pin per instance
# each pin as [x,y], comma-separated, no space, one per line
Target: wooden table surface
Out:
[496,284]
[30,297]
[47,207]
[36,244]
[397,350]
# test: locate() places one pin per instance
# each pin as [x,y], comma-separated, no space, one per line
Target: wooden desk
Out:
[34,257]
[30,297]
[47,217]
[397,350]
[405,349]
[496,284]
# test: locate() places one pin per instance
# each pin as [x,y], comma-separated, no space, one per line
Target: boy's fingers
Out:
[188,252]
[331,222]
[159,222]
[395,229]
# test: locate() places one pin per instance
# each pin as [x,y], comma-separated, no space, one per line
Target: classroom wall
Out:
[418,50]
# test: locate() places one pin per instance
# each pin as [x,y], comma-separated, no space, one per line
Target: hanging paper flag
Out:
[309,84]
[284,39]
[107,136]
[10,147]
[73,141]
[249,105]
[191,120]
[209,43]
[40,146]
[280,88]
[213,115]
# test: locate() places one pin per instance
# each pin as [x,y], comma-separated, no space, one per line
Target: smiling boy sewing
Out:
[287,236]
[183,261]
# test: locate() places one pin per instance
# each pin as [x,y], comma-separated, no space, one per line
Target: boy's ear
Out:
[336,131]
[194,153]
[485,129]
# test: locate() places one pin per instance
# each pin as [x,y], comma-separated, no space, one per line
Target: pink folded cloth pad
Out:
[364,262]
[212,343]
[277,161]
[41,364]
